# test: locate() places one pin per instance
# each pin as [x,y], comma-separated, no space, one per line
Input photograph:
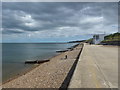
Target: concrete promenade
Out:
[97,68]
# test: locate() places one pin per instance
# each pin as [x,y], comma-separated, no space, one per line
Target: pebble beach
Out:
[49,74]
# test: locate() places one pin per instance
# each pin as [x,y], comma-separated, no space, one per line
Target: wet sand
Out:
[47,75]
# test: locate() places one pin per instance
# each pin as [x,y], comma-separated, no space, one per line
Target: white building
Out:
[97,38]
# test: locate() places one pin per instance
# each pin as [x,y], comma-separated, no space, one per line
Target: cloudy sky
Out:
[57,22]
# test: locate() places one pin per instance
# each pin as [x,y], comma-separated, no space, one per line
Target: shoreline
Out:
[47,75]
[34,66]
[26,71]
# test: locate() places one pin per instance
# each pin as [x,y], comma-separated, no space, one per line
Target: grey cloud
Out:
[50,16]
[11,31]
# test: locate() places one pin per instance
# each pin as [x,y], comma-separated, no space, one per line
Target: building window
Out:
[97,37]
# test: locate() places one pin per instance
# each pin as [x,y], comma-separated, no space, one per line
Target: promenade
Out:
[97,68]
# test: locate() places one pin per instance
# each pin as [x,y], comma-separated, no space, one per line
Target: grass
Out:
[89,40]
[112,37]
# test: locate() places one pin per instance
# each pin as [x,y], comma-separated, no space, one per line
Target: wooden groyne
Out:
[36,61]
[68,49]
[61,51]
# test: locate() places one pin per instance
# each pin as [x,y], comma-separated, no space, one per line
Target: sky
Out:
[57,21]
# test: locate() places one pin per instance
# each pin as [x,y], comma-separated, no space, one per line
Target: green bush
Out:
[113,37]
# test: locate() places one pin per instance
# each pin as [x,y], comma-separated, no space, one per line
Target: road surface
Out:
[97,68]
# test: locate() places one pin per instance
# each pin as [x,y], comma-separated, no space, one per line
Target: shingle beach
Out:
[47,75]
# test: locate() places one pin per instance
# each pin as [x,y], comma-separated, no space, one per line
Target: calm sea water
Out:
[15,54]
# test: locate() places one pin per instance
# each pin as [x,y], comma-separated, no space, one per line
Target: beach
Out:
[49,74]
[16,54]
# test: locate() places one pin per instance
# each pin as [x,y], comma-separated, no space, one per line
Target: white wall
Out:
[101,38]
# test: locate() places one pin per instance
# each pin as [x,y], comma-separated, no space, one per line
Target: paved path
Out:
[96,68]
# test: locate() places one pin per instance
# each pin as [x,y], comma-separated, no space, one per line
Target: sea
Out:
[14,56]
